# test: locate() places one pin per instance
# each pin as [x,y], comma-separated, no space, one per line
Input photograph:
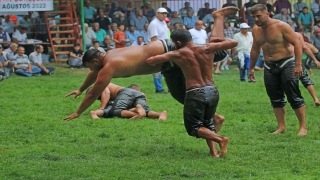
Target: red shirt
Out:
[119,35]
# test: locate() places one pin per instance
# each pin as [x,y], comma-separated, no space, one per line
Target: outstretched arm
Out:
[162,58]
[105,97]
[222,44]
[103,79]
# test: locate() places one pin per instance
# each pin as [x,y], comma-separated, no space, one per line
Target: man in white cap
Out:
[158,30]
[245,40]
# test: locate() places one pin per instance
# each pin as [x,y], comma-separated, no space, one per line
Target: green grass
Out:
[37,144]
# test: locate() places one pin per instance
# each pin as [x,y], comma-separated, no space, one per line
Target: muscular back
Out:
[114,90]
[196,64]
[271,38]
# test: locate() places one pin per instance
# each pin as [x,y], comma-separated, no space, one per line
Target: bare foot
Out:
[214,151]
[317,103]
[224,12]
[163,116]
[140,110]
[94,115]
[223,146]
[278,131]
[138,116]
[302,132]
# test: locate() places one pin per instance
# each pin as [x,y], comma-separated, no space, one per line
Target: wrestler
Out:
[283,66]
[118,63]
[305,80]
[202,96]
[127,103]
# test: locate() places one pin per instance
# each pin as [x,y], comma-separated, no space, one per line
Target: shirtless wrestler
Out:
[202,96]
[283,66]
[127,103]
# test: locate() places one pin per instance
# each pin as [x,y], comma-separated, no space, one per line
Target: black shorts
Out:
[280,81]
[126,99]
[199,107]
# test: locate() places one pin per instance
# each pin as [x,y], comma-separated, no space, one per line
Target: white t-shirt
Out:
[244,43]
[158,28]
[19,36]
[89,36]
[198,37]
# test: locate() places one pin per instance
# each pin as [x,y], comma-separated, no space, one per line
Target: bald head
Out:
[198,25]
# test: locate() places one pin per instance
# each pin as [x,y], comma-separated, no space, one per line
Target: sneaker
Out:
[161,91]
[252,80]
[37,75]
[72,68]
[242,80]
[222,68]
[226,68]
[1,78]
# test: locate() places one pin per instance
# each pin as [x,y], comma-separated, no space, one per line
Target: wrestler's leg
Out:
[280,114]
[209,135]
[96,114]
[312,47]
[160,115]
[313,93]
[140,112]
[218,121]
[301,115]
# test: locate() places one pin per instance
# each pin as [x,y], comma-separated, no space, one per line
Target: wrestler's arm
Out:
[255,52]
[162,58]
[105,97]
[103,79]
[222,45]
[290,36]
[307,50]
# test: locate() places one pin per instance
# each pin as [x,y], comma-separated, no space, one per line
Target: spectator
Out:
[204,11]
[283,16]
[298,7]
[293,25]
[229,31]
[107,8]
[120,37]
[315,39]
[122,19]
[11,51]
[315,27]
[315,9]
[282,4]
[158,30]
[132,34]
[100,33]
[36,61]
[229,3]
[75,56]
[130,7]
[183,11]
[249,18]
[243,49]
[148,11]
[41,31]
[102,21]
[22,64]
[5,64]
[5,37]
[90,36]
[8,25]
[175,19]
[167,21]
[139,20]
[199,36]
[164,5]
[138,42]
[114,8]
[306,20]
[108,43]
[248,5]
[89,12]
[20,35]
[96,45]
[208,21]
[177,26]
[269,7]
[144,34]
[26,22]
[190,20]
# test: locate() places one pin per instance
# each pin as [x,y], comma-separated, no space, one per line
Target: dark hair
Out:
[140,37]
[90,55]
[131,26]
[37,47]
[258,7]
[304,8]
[163,4]
[133,85]
[181,35]
[94,42]
[76,44]
[23,28]
[120,25]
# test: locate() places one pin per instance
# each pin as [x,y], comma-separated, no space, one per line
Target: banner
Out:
[25,5]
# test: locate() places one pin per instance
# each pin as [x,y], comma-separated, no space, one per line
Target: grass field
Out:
[37,144]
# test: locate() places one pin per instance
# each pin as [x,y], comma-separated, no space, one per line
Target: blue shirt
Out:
[306,19]
[145,36]
[133,36]
[208,19]
[100,35]
[190,21]
[89,12]
[139,23]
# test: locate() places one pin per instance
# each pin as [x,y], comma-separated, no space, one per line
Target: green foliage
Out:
[37,144]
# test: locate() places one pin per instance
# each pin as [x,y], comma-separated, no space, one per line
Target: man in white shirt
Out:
[138,42]
[245,40]
[20,35]
[89,35]
[199,36]
[158,30]
[96,45]
[36,61]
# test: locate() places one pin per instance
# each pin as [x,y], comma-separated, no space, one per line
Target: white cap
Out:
[244,26]
[162,10]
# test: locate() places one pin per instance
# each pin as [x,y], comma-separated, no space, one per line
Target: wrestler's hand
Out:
[76,93]
[72,116]
[251,75]
[297,71]
[317,64]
